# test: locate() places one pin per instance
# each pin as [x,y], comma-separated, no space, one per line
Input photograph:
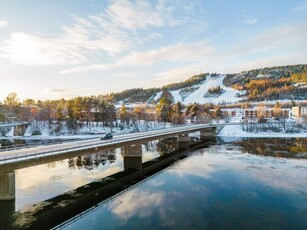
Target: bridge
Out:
[19,128]
[9,120]
[21,158]
[14,124]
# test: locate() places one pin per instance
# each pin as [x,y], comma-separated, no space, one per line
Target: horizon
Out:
[53,50]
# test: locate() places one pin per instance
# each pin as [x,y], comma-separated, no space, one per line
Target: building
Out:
[267,113]
[298,111]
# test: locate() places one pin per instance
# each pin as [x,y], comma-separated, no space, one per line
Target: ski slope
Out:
[229,94]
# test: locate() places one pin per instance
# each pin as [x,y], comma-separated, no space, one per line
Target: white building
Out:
[298,111]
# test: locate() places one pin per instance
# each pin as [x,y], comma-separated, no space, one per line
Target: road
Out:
[25,154]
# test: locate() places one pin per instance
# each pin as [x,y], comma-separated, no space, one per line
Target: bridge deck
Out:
[4,125]
[13,156]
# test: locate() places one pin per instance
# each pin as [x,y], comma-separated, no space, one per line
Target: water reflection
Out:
[197,193]
[276,147]
[92,161]
[216,188]
[54,178]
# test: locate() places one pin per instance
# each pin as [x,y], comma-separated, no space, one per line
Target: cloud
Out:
[114,30]
[272,47]
[173,53]
[251,21]
[3,24]
[22,48]
[275,60]
[132,16]
[179,74]
[287,37]
[128,207]
[300,8]
[68,93]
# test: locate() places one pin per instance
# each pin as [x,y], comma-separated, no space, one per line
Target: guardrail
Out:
[2,125]
[10,158]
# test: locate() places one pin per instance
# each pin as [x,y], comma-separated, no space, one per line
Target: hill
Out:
[270,83]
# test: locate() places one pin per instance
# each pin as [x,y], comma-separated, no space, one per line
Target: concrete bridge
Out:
[9,120]
[19,127]
[17,159]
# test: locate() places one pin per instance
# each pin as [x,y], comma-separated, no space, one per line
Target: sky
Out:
[68,48]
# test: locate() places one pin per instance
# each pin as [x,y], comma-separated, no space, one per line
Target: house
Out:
[298,111]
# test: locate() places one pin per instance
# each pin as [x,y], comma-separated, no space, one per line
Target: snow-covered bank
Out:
[236,131]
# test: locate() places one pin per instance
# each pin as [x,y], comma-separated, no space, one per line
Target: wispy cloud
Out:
[251,21]
[23,48]
[173,53]
[3,24]
[114,30]
[300,8]
[274,39]
[68,93]
[173,75]
[133,16]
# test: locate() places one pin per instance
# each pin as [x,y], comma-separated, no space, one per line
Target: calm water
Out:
[220,187]
[249,184]
[54,178]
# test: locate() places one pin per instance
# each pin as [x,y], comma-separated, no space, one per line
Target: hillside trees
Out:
[300,77]
[139,112]
[163,109]
[123,115]
[192,110]
[176,113]
[11,100]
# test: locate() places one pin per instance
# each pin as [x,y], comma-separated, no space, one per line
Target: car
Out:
[107,136]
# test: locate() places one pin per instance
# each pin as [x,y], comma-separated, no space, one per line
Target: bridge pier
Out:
[7,186]
[20,130]
[183,141]
[207,133]
[133,157]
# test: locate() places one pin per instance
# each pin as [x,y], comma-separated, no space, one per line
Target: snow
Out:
[229,94]
[236,131]
[273,102]
[158,96]
[176,96]
[10,133]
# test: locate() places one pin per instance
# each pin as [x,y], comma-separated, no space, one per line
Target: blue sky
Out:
[54,49]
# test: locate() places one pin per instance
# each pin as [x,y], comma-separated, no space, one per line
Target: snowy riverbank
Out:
[236,131]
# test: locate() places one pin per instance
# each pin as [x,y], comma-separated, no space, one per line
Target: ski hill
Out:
[199,93]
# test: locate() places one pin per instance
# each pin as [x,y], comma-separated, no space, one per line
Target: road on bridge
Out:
[25,154]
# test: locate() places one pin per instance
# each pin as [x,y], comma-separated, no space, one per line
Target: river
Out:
[242,184]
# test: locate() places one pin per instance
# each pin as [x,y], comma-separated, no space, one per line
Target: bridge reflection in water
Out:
[54,211]
[9,163]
